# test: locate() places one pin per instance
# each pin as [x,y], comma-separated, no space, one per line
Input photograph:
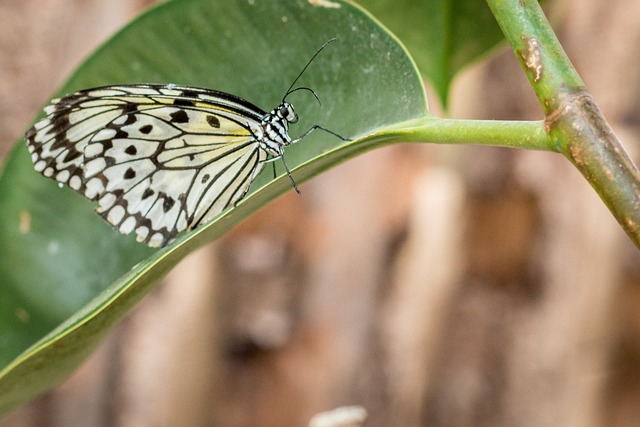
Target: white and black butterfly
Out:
[161,159]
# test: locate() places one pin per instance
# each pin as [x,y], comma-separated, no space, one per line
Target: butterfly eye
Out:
[287,112]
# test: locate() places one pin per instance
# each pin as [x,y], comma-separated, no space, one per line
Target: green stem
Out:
[529,135]
[499,133]
[573,121]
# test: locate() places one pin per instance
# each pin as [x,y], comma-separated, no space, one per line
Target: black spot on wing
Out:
[168,203]
[131,150]
[147,193]
[130,174]
[213,121]
[146,129]
[179,116]
[120,134]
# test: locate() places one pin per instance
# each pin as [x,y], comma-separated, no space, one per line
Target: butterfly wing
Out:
[159,159]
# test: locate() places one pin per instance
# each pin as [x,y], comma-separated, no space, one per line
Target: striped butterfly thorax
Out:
[160,158]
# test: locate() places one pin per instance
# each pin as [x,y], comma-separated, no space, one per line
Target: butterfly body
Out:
[159,159]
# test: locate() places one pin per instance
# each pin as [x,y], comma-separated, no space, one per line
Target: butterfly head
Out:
[286,112]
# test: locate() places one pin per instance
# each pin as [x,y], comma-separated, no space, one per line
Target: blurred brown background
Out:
[434,286]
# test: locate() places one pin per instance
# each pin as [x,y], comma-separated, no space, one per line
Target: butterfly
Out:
[161,158]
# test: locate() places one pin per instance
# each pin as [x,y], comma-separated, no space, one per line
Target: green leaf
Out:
[66,277]
[443,36]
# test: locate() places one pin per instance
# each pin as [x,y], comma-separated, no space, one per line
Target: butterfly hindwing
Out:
[159,159]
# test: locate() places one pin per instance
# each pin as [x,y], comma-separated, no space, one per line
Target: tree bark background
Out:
[434,286]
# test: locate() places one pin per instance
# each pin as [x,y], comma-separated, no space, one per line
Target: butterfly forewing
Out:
[159,159]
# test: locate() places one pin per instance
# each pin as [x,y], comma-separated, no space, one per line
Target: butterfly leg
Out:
[295,187]
[286,168]
[314,127]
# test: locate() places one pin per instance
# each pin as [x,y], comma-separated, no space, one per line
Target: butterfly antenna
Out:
[305,68]
[308,89]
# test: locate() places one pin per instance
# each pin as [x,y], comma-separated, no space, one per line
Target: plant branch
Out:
[573,121]
[529,135]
